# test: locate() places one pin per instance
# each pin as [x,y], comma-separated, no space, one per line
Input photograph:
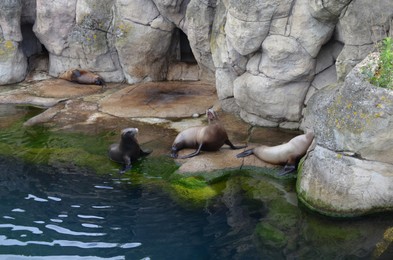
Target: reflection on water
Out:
[47,213]
[60,210]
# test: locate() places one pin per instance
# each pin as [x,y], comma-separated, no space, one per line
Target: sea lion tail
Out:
[245,153]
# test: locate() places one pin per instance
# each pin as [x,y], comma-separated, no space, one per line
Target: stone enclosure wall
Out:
[267,57]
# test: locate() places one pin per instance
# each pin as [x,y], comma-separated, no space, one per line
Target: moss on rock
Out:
[270,235]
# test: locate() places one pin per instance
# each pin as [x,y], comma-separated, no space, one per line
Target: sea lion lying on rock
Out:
[83,77]
[287,154]
[128,150]
[205,138]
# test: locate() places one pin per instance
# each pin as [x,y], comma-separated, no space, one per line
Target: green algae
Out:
[194,197]
[333,231]
[270,235]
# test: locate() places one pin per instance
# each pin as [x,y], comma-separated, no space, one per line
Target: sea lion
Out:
[287,154]
[128,150]
[83,77]
[205,138]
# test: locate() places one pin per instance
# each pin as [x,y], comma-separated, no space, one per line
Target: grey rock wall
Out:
[267,60]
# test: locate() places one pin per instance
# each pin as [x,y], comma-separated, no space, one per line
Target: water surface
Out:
[61,198]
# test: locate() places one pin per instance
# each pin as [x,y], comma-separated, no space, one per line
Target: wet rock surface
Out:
[160,110]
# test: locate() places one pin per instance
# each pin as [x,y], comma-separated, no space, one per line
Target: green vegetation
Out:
[383,76]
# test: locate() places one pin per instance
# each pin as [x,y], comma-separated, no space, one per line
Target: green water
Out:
[62,197]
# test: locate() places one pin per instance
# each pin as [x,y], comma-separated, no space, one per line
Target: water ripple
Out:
[89,216]
[103,187]
[66,231]
[33,230]
[54,198]
[35,198]
[4,241]
[18,210]
[91,225]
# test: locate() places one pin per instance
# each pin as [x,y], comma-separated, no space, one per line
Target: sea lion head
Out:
[100,81]
[129,133]
[211,115]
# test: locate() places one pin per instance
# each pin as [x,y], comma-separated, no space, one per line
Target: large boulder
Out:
[142,40]
[350,170]
[13,62]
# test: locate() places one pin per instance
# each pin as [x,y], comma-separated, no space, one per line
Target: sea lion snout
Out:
[132,131]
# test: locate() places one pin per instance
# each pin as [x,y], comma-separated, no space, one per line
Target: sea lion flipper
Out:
[125,168]
[245,153]
[197,151]
[234,147]
[288,169]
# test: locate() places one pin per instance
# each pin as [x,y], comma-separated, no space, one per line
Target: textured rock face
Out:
[350,170]
[281,50]
[271,52]
[361,26]
[13,63]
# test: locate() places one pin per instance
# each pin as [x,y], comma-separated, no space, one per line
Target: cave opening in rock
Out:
[185,50]
[35,52]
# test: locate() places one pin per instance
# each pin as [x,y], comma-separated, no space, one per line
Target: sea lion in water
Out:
[205,138]
[83,77]
[128,150]
[287,154]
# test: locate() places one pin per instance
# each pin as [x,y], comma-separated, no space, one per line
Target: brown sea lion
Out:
[83,77]
[128,150]
[205,138]
[287,154]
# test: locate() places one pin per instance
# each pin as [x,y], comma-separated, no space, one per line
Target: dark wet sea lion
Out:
[128,150]
[83,77]
[205,138]
[287,154]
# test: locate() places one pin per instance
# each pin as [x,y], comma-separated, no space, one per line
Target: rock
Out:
[139,41]
[359,38]
[355,116]
[76,36]
[163,100]
[13,62]
[147,47]
[340,185]
[350,169]
[246,37]
[183,71]
[283,58]
[199,19]
[268,98]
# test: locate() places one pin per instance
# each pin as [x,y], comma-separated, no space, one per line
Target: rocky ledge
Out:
[159,109]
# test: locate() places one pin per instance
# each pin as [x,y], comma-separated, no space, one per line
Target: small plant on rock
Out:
[383,76]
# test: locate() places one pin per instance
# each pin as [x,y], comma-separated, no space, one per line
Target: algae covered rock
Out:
[350,170]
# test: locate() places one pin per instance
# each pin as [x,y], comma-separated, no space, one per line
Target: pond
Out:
[58,203]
